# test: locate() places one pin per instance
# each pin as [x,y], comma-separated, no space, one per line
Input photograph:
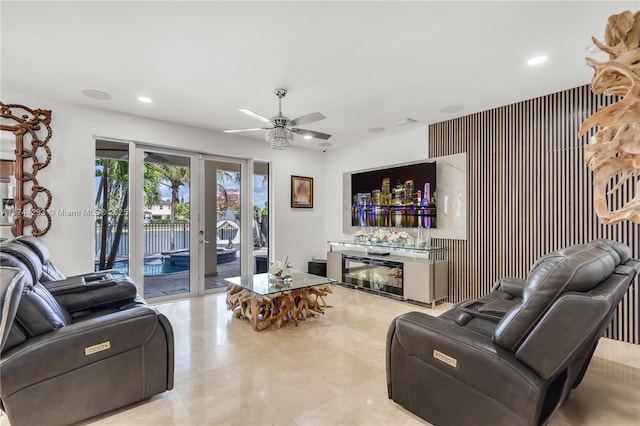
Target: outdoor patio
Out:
[178,282]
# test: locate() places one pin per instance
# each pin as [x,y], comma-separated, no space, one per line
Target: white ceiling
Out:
[362,64]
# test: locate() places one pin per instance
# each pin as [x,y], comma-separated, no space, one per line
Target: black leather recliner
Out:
[515,362]
[75,347]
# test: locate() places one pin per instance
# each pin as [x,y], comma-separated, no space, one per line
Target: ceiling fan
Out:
[281,132]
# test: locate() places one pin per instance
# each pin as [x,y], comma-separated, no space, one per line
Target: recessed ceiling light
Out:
[307,137]
[450,109]
[376,130]
[144,99]
[96,94]
[537,60]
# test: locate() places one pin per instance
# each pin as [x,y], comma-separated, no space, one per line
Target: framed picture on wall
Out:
[301,192]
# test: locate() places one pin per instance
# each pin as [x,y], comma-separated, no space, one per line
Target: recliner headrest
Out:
[49,270]
[25,255]
[623,251]
[577,268]
[11,261]
[36,245]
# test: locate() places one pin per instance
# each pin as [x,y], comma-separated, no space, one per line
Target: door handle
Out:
[204,241]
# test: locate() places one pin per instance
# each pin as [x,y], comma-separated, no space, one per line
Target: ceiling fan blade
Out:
[246,130]
[255,115]
[152,157]
[113,153]
[306,119]
[312,133]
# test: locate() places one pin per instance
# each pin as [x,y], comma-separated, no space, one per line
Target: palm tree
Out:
[150,184]
[112,197]
[172,177]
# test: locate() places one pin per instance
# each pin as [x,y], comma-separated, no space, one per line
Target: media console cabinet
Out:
[407,273]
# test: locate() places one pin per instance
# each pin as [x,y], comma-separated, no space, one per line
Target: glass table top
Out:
[265,284]
[394,247]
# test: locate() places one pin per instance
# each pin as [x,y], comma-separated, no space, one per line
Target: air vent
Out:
[405,122]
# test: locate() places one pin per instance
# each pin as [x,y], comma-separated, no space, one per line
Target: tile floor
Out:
[327,371]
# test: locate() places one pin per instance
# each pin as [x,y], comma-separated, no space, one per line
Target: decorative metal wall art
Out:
[613,153]
[32,131]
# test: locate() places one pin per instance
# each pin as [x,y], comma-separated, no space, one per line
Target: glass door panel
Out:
[166,224]
[261,217]
[222,225]
[111,206]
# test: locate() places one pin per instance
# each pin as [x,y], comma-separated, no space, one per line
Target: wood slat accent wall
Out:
[529,193]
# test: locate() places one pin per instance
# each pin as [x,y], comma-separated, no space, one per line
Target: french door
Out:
[163,223]
[223,247]
[192,219]
[233,232]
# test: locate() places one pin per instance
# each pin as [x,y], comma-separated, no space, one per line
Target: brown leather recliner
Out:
[84,348]
[513,367]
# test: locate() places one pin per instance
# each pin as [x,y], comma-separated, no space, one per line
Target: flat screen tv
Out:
[402,196]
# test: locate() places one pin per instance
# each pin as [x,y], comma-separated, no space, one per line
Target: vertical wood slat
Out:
[529,192]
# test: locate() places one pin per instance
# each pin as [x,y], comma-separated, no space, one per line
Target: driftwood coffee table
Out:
[264,302]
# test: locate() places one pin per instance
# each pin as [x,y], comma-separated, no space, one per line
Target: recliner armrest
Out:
[83,282]
[498,307]
[69,284]
[78,284]
[76,294]
[100,275]
[511,285]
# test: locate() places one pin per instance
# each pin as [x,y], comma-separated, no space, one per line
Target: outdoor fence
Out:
[157,238]
[227,233]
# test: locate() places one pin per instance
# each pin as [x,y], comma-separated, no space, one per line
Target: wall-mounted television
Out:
[402,196]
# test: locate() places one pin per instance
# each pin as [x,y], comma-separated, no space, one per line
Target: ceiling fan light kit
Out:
[280,136]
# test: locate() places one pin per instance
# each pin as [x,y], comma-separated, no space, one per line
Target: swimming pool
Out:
[178,260]
[175,262]
[152,266]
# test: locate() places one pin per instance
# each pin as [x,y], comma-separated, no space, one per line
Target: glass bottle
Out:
[427,238]
[421,242]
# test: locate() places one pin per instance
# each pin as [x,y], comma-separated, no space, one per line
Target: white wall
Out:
[299,233]
[409,146]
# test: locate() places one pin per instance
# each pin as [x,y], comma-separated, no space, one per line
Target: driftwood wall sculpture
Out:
[613,153]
